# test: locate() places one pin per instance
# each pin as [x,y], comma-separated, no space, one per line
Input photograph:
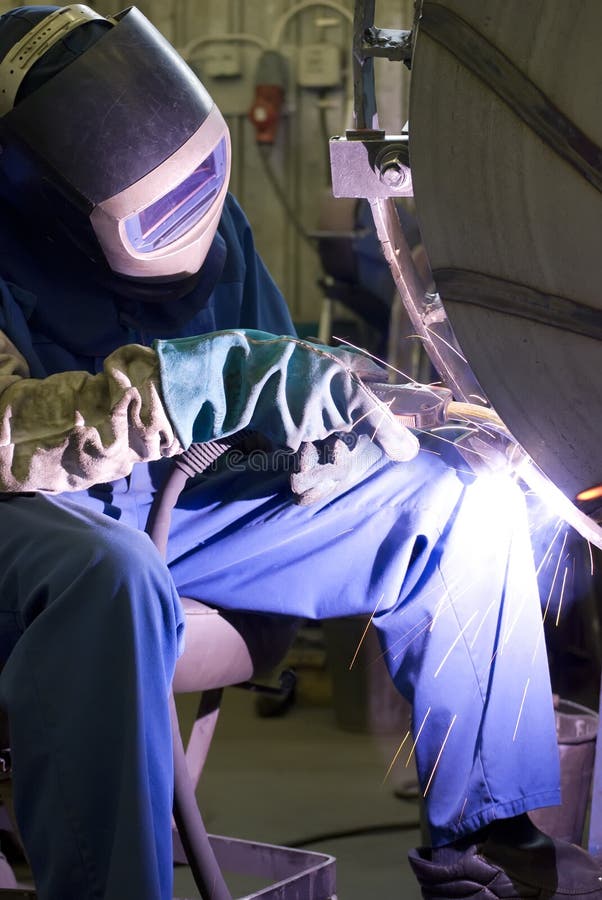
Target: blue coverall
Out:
[91,624]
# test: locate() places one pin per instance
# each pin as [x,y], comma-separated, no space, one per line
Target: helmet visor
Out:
[166,219]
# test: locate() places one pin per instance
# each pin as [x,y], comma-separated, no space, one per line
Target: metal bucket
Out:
[576,727]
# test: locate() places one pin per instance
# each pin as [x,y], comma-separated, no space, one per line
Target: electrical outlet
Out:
[319,66]
[222,61]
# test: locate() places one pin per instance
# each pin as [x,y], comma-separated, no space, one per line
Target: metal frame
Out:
[368,163]
[426,311]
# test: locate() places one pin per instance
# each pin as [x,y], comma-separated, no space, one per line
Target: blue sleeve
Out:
[15,305]
[262,305]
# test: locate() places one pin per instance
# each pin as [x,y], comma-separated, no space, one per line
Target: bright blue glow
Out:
[165,220]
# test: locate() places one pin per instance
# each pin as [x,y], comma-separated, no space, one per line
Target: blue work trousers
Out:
[91,625]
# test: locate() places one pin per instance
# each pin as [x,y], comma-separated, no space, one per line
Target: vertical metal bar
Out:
[594,843]
[294,183]
[364,93]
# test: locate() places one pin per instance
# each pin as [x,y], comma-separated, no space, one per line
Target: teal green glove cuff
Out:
[289,390]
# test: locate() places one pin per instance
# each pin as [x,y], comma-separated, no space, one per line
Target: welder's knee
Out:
[95,568]
[122,562]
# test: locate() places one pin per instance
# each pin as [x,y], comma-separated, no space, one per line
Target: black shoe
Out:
[546,869]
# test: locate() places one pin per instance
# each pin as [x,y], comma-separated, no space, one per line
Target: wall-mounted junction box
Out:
[319,66]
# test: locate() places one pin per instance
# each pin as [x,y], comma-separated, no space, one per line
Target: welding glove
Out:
[329,467]
[288,390]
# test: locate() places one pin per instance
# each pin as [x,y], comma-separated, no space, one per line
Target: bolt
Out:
[393,174]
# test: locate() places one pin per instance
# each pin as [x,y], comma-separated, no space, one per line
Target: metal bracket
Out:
[389,43]
[370,164]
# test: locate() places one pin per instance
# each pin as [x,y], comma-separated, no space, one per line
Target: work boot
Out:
[545,869]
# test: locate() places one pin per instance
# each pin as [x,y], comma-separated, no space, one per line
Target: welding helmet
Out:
[108,139]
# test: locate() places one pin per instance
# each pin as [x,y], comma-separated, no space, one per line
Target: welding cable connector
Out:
[415,405]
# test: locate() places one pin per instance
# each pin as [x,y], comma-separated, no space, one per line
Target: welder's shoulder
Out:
[235,230]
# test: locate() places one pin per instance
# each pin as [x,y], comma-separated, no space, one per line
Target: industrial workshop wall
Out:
[231,37]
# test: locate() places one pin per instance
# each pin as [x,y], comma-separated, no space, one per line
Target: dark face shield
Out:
[125,149]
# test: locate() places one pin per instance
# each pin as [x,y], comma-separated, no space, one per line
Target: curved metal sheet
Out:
[499,195]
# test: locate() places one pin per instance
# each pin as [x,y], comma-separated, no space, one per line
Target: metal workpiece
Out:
[371,165]
[514,88]
[423,309]
[537,481]
[493,450]
[515,251]
[548,412]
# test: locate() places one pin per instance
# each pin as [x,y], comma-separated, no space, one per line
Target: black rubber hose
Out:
[159,518]
[191,828]
[194,461]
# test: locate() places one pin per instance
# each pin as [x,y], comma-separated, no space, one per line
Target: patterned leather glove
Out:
[287,389]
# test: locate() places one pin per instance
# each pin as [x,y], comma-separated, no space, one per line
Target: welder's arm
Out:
[71,430]
[289,390]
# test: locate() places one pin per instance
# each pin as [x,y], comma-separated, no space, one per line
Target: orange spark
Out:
[363,637]
[561,595]
[592,493]
[394,760]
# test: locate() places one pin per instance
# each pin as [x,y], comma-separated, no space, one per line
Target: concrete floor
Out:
[302,780]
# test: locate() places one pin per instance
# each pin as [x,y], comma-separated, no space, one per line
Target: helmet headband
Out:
[26,52]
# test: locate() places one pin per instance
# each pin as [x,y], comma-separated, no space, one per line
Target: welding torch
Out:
[424,407]
[482,438]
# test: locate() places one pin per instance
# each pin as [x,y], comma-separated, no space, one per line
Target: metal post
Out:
[364,95]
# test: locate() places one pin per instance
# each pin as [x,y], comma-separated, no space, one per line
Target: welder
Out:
[136,318]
